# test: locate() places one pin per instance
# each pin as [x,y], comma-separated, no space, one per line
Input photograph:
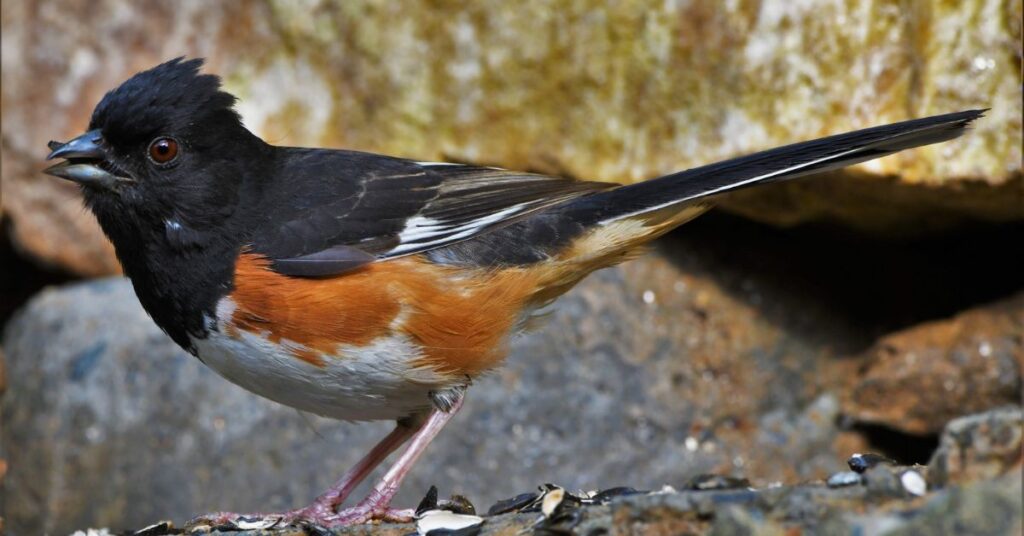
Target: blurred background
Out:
[770,339]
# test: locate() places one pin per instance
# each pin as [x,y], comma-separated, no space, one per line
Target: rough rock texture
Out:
[595,89]
[983,498]
[730,351]
[986,507]
[110,424]
[3,373]
[3,461]
[979,446]
[918,379]
[884,207]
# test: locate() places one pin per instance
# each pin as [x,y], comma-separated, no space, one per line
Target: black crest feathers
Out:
[166,97]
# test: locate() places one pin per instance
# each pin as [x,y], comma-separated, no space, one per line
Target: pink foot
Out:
[375,507]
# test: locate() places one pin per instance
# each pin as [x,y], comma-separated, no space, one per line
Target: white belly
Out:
[372,382]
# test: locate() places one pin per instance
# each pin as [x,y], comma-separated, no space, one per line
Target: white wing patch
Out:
[421,232]
[436,164]
[450,164]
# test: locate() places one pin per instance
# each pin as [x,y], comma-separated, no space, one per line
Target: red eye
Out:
[163,150]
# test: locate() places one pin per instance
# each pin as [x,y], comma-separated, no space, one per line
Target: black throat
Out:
[181,266]
[179,288]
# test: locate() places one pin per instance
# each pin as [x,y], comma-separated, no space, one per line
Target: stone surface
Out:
[3,460]
[978,447]
[919,379]
[885,207]
[110,425]
[728,351]
[615,91]
[990,507]
[3,373]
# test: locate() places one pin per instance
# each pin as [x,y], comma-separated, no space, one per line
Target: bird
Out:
[365,287]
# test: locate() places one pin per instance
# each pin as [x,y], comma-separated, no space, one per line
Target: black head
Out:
[164,148]
[166,166]
[171,98]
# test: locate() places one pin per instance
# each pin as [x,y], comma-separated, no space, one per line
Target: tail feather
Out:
[781,163]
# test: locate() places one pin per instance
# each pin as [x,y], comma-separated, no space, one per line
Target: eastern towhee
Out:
[365,287]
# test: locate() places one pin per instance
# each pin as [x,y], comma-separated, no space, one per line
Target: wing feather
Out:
[341,201]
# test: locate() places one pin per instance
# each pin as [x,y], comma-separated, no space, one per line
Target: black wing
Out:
[333,211]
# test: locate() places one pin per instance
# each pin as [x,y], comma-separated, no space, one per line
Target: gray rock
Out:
[109,424]
[979,447]
[883,481]
[985,508]
[990,507]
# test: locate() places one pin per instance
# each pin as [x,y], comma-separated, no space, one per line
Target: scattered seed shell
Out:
[163,527]
[518,503]
[429,501]
[445,523]
[552,500]
[843,479]
[457,504]
[256,523]
[914,483]
[862,462]
[562,523]
[606,495]
[708,482]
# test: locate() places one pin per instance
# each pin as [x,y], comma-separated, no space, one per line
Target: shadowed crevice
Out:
[906,449]
[842,289]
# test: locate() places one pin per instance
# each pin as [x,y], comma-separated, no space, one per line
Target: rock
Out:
[918,379]
[726,352]
[627,93]
[3,453]
[54,71]
[984,508]
[114,426]
[736,521]
[3,373]
[887,207]
[882,481]
[979,447]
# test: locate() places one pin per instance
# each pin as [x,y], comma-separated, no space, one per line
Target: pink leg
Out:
[375,505]
[336,494]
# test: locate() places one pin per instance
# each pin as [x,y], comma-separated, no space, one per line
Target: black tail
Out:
[777,164]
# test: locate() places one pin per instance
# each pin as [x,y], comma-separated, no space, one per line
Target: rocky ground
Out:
[972,485]
[696,359]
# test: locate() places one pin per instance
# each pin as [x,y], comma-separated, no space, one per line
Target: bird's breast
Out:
[372,381]
[369,344]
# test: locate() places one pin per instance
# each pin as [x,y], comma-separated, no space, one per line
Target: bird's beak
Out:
[84,155]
